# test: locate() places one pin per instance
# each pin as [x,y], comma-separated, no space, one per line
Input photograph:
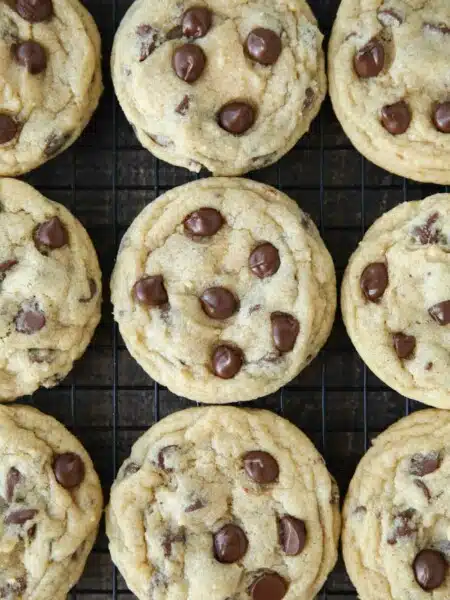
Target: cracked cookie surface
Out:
[223,290]
[50,290]
[50,79]
[222,502]
[50,506]
[234,84]
[396,299]
[389,83]
[396,538]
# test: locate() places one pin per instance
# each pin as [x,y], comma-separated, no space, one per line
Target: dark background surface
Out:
[106,179]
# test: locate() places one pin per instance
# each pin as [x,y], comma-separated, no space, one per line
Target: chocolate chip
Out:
[204,222]
[404,526]
[183,108]
[285,329]
[264,261]
[12,479]
[230,544]
[69,470]
[188,62]
[6,266]
[19,517]
[8,129]
[396,118]
[360,510]
[148,37]
[425,489]
[92,291]
[388,17]
[292,534]
[261,466]
[163,455]
[30,320]
[254,309]
[369,60]
[170,539]
[176,33]
[150,291]
[197,505]
[264,46]
[309,98]
[374,281]
[31,532]
[196,22]
[440,312]
[428,366]
[13,588]
[424,464]
[56,142]
[218,303]
[437,28]
[236,117]
[32,56]
[227,361]
[441,117]
[268,586]
[41,355]
[430,569]
[131,469]
[35,11]
[51,234]
[428,234]
[404,345]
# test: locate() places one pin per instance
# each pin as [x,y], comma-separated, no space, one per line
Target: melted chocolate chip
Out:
[69,470]
[30,320]
[150,291]
[430,569]
[261,466]
[230,544]
[148,37]
[204,222]
[196,22]
[404,526]
[264,261]
[268,586]
[441,117]
[396,118]
[218,303]
[189,62]
[32,56]
[374,281]
[440,312]
[164,455]
[51,234]
[425,489]
[170,539]
[264,46]
[197,505]
[369,60]
[56,142]
[21,516]
[424,464]
[404,345]
[35,11]
[428,234]
[8,129]
[227,361]
[285,330]
[236,117]
[389,17]
[5,267]
[92,291]
[292,535]
[12,480]
[183,108]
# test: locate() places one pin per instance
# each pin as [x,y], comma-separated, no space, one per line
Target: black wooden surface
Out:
[106,179]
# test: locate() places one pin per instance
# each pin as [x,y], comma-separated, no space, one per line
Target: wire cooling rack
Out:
[106,179]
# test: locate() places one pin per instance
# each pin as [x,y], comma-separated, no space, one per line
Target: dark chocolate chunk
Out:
[183,108]
[196,505]
[21,516]
[227,361]
[51,234]
[424,464]
[236,117]
[369,60]
[425,489]
[441,117]
[35,11]
[264,46]
[440,312]
[204,222]
[164,455]
[218,303]
[264,261]
[8,128]
[374,281]
[404,345]
[268,586]
[261,466]
[396,118]
[12,480]
[69,470]
[32,56]
[30,319]
[430,569]
[189,62]
[92,291]
[56,142]
[292,535]
[230,544]
[148,37]
[285,330]
[196,22]
[150,291]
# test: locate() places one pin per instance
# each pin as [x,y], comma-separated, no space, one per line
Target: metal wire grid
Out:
[106,179]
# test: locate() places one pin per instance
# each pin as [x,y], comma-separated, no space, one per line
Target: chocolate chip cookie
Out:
[389,83]
[223,502]
[50,290]
[223,290]
[396,299]
[396,535]
[50,76]
[222,84]
[50,506]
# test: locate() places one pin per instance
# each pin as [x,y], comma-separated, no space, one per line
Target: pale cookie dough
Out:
[177,64]
[223,290]
[223,502]
[389,83]
[50,290]
[396,299]
[50,79]
[396,533]
[50,506]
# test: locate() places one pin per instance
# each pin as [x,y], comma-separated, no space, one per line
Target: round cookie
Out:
[397,513]
[222,84]
[223,290]
[396,299]
[50,73]
[50,290]
[389,83]
[223,502]
[50,506]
